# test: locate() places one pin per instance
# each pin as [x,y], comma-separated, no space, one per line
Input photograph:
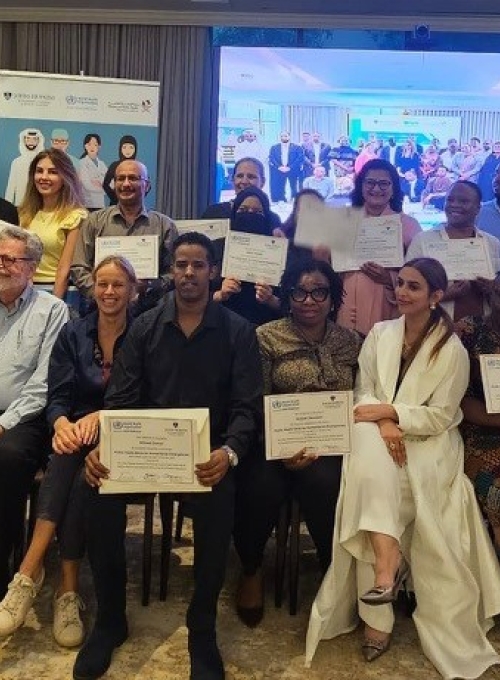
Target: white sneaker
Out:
[16,604]
[68,627]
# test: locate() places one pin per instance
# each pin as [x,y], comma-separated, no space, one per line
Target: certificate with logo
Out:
[140,251]
[156,450]
[251,257]
[319,422]
[214,229]
[373,239]
[490,375]
[463,258]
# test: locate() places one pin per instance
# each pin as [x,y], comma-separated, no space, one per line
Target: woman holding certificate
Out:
[369,292]
[79,370]
[405,502]
[257,302]
[304,352]
[480,429]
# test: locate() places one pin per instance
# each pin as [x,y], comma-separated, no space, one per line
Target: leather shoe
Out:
[94,658]
[373,648]
[386,594]
[250,589]
[206,661]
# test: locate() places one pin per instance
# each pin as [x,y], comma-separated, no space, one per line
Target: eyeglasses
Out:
[133,179]
[317,294]
[7,261]
[382,184]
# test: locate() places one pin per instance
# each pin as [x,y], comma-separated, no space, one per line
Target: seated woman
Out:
[255,302]
[79,370]
[404,492]
[481,430]
[52,208]
[304,352]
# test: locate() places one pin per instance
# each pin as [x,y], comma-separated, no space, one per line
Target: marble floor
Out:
[157,647]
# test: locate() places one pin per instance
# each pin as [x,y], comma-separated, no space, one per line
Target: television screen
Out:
[434,115]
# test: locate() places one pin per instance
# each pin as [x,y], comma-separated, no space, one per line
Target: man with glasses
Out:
[128,218]
[30,321]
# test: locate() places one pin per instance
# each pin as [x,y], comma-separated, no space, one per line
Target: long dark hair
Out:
[396,202]
[435,276]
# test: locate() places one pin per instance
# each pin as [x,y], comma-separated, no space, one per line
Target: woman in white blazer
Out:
[92,172]
[405,500]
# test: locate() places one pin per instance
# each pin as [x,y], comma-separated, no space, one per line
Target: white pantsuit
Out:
[428,505]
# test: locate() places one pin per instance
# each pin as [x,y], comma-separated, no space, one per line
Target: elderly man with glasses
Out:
[128,218]
[30,321]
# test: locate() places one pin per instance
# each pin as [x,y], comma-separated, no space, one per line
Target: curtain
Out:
[179,57]
[473,122]
[330,121]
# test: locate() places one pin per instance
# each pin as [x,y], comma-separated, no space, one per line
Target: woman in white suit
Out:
[405,501]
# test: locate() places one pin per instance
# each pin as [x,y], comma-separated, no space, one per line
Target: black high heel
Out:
[384,595]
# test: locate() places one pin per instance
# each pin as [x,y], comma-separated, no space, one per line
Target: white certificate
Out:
[251,257]
[140,251]
[214,229]
[319,422]
[156,450]
[490,375]
[315,222]
[463,258]
[373,239]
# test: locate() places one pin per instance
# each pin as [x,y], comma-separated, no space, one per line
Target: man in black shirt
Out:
[189,352]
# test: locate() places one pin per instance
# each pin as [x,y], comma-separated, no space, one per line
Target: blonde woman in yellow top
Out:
[52,208]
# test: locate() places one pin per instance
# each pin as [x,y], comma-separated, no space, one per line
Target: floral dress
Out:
[482,443]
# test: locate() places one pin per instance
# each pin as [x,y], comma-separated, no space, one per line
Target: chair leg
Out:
[179,521]
[281,543]
[147,548]
[167,515]
[294,556]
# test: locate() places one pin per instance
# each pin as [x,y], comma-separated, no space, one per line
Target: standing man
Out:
[285,165]
[31,142]
[316,153]
[189,352]
[30,321]
[128,218]
[488,218]
[487,173]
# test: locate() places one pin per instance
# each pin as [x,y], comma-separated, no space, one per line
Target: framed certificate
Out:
[140,251]
[214,229]
[251,257]
[463,258]
[156,450]
[319,422]
[490,375]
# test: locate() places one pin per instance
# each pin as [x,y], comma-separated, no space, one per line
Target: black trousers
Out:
[278,182]
[23,450]
[262,487]
[213,515]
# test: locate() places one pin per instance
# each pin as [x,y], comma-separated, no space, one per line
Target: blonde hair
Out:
[70,195]
[120,262]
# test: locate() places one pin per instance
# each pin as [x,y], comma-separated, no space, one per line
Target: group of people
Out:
[96,178]
[407,342]
[426,174]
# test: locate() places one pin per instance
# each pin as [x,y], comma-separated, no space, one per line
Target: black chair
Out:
[288,536]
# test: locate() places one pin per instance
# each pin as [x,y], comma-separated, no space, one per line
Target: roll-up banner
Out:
[96,121]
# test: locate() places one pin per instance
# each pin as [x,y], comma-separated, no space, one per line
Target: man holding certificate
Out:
[190,352]
[143,236]
[470,256]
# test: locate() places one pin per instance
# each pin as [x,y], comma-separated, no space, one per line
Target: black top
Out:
[8,212]
[222,211]
[76,379]
[217,367]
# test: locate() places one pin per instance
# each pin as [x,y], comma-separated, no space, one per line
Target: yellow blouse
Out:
[53,233]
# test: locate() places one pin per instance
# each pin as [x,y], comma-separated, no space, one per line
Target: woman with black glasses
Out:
[304,352]
[369,292]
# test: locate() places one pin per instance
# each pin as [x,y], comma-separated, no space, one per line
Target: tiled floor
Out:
[157,647]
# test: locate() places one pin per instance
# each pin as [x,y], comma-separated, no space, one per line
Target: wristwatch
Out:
[232,456]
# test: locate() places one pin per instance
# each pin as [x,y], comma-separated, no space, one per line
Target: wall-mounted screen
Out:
[434,115]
